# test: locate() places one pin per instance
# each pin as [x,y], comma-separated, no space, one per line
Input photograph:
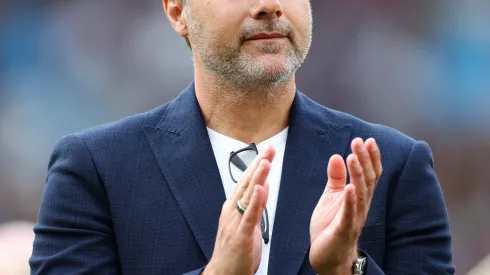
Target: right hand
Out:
[238,246]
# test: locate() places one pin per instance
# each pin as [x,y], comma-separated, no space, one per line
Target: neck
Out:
[248,115]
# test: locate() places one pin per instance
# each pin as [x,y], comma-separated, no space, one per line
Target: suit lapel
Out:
[312,139]
[182,148]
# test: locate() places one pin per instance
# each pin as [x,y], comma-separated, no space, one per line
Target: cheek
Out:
[298,13]
[296,6]
[222,17]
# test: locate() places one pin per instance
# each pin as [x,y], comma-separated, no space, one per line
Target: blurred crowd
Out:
[421,66]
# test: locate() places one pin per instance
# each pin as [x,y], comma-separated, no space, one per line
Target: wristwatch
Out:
[359,266]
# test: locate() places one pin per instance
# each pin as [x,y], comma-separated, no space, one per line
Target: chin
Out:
[274,63]
[271,59]
[274,74]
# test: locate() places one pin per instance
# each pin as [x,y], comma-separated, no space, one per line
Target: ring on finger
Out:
[240,207]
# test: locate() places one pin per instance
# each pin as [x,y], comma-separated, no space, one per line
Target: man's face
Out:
[250,43]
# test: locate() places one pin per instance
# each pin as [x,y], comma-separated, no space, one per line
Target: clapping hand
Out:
[238,247]
[341,212]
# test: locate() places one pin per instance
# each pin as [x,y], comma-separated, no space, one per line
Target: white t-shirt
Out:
[223,146]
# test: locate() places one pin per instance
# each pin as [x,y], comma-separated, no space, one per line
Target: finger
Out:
[357,179]
[266,188]
[359,148]
[349,211]
[243,182]
[268,155]
[337,174]
[259,178]
[375,154]
[252,215]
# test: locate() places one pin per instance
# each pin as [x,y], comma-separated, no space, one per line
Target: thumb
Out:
[337,174]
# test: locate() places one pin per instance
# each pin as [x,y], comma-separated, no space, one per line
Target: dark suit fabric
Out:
[143,196]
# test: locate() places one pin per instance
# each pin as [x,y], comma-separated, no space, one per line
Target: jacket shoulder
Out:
[329,119]
[385,136]
[117,133]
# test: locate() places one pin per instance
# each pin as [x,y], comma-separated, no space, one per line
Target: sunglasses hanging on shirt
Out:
[238,162]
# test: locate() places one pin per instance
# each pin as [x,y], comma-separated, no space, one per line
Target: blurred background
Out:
[421,66]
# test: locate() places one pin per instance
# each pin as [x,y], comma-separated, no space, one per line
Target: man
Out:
[230,177]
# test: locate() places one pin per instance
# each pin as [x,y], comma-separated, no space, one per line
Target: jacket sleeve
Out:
[74,233]
[418,238]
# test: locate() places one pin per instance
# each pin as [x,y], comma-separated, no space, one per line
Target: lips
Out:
[265,36]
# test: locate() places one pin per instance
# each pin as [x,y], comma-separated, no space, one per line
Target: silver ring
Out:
[240,207]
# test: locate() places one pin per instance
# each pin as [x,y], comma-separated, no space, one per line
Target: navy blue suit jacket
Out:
[143,196]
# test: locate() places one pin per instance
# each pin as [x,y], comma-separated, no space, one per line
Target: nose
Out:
[266,9]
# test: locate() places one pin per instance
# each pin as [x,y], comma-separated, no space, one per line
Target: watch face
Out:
[359,266]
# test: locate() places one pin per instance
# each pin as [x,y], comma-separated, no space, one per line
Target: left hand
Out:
[340,214]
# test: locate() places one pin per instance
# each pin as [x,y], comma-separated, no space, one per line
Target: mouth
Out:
[266,36]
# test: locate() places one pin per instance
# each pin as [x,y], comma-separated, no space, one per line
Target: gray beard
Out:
[239,69]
